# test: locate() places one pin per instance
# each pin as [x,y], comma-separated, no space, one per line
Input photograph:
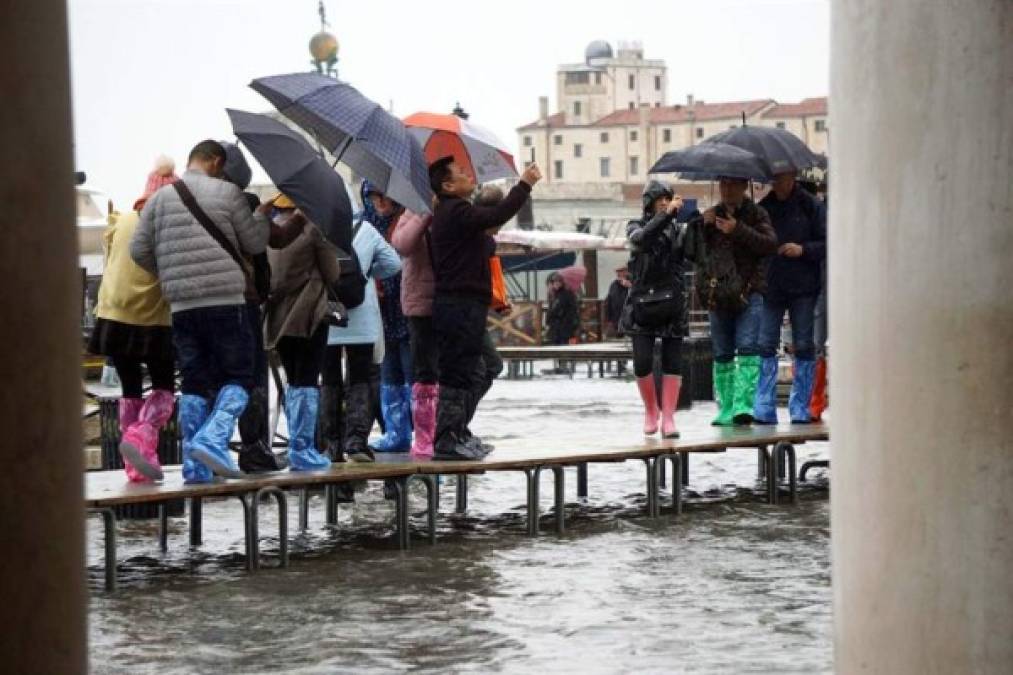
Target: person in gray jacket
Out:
[205,287]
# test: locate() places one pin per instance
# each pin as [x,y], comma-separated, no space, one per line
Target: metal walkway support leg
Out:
[163,527]
[761,462]
[815,464]
[304,509]
[652,485]
[254,546]
[462,493]
[402,523]
[777,459]
[662,478]
[582,481]
[532,482]
[685,469]
[109,532]
[559,496]
[676,461]
[432,484]
[249,528]
[196,521]
[331,504]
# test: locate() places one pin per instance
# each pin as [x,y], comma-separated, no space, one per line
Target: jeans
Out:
[820,329]
[737,332]
[397,363]
[801,311]
[303,358]
[459,324]
[255,318]
[425,357]
[214,347]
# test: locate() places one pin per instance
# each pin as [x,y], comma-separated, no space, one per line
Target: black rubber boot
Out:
[256,455]
[451,418]
[331,424]
[473,398]
[358,421]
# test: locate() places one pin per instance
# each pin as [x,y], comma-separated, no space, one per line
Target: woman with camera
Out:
[655,307]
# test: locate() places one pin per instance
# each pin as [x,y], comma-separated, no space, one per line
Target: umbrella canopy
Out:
[476,149]
[708,161]
[360,133]
[780,150]
[298,171]
[573,276]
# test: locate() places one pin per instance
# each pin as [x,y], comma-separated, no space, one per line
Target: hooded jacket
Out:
[799,219]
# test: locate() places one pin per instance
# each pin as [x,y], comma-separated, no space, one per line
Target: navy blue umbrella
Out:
[708,161]
[781,150]
[298,171]
[359,132]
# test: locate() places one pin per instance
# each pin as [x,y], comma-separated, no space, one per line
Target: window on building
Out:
[604,137]
[633,81]
[666,136]
[780,125]
[527,141]
[604,166]
[634,135]
[597,78]
[699,132]
[657,82]
[578,77]
[578,150]
[576,108]
[557,140]
[557,169]
[634,166]
[821,125]
[632,105]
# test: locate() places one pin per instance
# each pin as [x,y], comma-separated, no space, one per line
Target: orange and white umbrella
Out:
[476,149]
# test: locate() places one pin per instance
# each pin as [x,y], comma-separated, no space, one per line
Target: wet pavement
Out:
[733,585]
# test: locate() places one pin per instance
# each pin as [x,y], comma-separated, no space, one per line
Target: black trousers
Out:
[643,355]
[162,373]
[360,362]
[303,358]
[425,354]
[459,325]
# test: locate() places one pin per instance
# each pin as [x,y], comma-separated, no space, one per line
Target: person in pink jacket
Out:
[411,240]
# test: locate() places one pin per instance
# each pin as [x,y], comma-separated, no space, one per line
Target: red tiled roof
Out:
[804,108]
[556,120]
[680,113]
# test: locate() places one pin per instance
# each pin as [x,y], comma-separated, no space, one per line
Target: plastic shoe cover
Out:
[765,406]
[670,386]
[395,405]
[139,445]
[801,391]
[129,409]
[747,376]
[724,392]
[193,411]
[211,444]
[424,398]
[818,402]
[649,395]
[301,407]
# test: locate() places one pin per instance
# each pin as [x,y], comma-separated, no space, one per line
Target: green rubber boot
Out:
[724,392]
[747,376]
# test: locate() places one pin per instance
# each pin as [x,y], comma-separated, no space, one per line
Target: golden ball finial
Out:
[324,47]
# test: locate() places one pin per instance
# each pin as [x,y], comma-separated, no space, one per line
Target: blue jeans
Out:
[802,312]
[396,368]
[737,333]
[214,347]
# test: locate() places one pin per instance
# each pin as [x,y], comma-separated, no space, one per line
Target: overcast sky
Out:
[154,76]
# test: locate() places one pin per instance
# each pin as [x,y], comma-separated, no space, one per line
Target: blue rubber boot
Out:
[301,407]
[396,405]
[801,391]
[193,411]
[211,444]
[765,407]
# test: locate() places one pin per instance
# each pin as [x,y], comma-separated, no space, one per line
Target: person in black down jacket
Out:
[563,317]
[655,306]
[793,285]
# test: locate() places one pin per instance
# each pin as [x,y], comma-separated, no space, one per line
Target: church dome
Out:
[599,49]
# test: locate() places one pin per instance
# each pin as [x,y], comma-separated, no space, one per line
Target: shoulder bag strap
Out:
[205,220]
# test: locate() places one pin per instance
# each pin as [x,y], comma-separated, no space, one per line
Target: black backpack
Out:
[351,285]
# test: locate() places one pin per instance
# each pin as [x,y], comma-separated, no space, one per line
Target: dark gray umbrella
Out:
[359,132]
[708,161]
[298,171]
[780,150]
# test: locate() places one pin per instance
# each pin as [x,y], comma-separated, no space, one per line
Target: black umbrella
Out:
[359,132]
[298,171]
[780,150]
[708,161]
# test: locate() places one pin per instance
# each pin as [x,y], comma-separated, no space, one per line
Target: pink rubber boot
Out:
[649,394]
[670,385]
[130,408]
[424,398]
[139,445]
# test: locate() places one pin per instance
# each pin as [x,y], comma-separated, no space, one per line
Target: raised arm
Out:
[490,217]
[759,238]
[642,235]
[386,262]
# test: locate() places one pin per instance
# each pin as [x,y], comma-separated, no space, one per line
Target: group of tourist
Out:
[202,276]
[753,263]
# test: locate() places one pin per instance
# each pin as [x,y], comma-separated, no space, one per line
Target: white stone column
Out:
[921,278]
[42,590]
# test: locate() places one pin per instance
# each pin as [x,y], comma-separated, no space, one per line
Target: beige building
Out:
[613,122]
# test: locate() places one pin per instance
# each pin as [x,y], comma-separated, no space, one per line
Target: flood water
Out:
[731,586]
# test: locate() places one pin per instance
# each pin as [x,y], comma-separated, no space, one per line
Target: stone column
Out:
[921,269]
[41,508]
